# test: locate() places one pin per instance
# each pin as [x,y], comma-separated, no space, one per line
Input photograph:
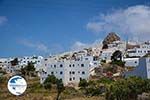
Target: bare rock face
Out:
[111,37]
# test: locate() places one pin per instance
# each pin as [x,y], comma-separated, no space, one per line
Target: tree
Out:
[83,83]
[28,70]
[60,88]
[47,83]
[128,88]
[51,79]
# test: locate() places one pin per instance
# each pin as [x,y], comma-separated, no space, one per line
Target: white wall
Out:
[72,71]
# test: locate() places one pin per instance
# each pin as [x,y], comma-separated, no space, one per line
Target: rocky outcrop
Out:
[111,37]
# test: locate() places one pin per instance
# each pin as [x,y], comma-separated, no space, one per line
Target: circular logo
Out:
[17,85]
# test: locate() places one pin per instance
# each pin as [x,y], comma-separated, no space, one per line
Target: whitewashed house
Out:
[36,60]
[142,70]
[139,51]
[70,71]
[5,63]
[131,62]
[116,45]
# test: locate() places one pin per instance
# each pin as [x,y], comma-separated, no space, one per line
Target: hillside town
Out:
[132,59]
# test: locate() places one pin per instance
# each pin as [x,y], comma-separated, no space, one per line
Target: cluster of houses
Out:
[73,66]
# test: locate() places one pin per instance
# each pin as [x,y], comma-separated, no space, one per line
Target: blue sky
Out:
[44,27]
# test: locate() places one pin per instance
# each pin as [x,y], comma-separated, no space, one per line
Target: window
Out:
[78,71]
[54,66]
[70,72]
[61,73]
[52,73]
[61,65]
[45,59]
[82,65]
[73,78]
[95,63]
[83,72]
[69,65]
[73,65]
[73,72]
[70,79]
[80,78]
[45,64]
[86,58]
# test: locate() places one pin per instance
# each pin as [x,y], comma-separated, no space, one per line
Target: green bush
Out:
[83,83]
[129,88]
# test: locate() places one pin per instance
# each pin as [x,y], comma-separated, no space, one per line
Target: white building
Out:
[142,70]
[5,63]
[70,71]
[139,52]
[36,60]
[116,45]
[131,62]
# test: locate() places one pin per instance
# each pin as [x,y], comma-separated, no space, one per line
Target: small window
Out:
[78,71]
[73,78]
[54,66]
[70,72]
[61,65]
[86,58]
[83,72]
[73,65]
[45,59]
[82,65]
[70,65]
[52,73]
[70,79]
[73,72]
[61,73]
